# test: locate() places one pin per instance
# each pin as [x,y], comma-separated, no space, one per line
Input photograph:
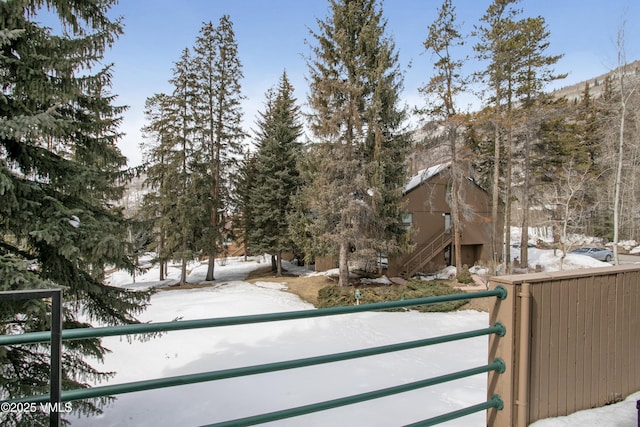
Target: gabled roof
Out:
[424,175]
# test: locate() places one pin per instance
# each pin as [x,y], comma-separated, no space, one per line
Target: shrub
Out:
[464,276]
[335,296]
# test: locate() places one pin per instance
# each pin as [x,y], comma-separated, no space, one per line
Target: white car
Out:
[601,254]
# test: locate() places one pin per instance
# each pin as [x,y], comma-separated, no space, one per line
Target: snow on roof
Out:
[424,175]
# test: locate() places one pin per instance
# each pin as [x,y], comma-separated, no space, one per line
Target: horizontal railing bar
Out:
[109,390]
[142,328]
[497,365]
[494,402]
[25,294]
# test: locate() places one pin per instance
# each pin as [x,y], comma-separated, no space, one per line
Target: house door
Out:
[447,256]
[447,222]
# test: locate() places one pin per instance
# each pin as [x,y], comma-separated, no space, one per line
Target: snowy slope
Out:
[184,352]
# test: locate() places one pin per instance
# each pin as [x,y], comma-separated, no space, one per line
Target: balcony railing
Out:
[56,395]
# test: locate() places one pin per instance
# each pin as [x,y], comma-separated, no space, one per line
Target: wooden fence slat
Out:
[573,342]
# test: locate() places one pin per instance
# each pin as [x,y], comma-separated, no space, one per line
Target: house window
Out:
[407,220]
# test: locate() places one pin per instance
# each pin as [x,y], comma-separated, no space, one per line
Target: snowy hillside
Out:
[596,85]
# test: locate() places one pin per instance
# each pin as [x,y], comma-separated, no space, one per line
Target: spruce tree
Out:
[276,173]
[354,88]
[562,170]
[218,71]
[308,244]
[59,163]
[589,128]
[177,196]
[244,187]
[157,149]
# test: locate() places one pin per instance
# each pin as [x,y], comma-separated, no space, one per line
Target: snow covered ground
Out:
[184,352]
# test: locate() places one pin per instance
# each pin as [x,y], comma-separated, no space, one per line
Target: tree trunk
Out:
[279,266]
[212,251]
[455,217]
[524,238]
[183,270]
[210,268]
[618,183]
[455,201]
[495,200]
[215,196]
[343,263]
[160,250]
[507,204]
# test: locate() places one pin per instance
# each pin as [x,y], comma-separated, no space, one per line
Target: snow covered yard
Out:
[185,352]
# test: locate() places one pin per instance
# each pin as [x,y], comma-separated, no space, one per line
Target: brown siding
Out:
[326,263]
[428,204]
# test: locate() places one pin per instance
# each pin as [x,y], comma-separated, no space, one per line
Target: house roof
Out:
[424,175]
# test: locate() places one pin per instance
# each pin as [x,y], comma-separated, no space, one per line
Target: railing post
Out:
[55,382]
[56,358]
[503,347]
[522,400]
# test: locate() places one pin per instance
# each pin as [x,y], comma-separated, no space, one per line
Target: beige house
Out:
[428,214]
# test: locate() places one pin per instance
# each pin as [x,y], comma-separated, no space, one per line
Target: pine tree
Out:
[308,244]
[354,87]
[58,166]
[157,203]
[276,173]
[218,72]
[589,128]
[178,194]
[443,87]
[500,44]
[244,185]
[562,171]
[533,75]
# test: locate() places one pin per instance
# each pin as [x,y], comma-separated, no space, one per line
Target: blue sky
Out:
[271,37]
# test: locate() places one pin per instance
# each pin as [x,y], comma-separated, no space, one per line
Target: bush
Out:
[464,276]
[335,296]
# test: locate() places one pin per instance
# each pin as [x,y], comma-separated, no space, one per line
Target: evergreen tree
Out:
[562,173]
[354,87]
[441,90]
[58,166]
[503,45]
[533,75]
[276,173]
[157,203]
[588,119]
[218,72]
[178,194]
[496,37]
[301,219]
[588,126]
[244,187]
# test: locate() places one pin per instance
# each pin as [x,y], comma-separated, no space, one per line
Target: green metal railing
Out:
[110,390]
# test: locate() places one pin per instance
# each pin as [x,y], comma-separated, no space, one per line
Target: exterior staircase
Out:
[425,252]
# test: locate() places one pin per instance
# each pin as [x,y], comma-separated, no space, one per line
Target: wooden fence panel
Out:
[584,341]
